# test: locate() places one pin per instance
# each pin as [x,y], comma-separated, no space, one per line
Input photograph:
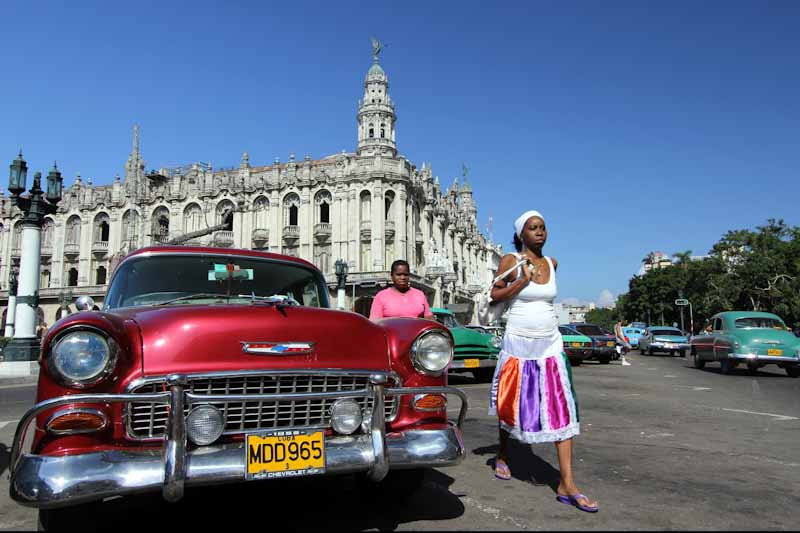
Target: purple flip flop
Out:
[501,470]
[573,501]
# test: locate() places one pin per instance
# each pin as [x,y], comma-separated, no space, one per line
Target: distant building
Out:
[367,207]
[568,313]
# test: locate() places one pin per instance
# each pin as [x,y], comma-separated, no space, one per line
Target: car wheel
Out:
[483,375]
[672,353]
[752,369]
[397,485]
[604,359]
[575,362]
[793,371]
[682,353]
[698,363]
[649,351]
[726,365]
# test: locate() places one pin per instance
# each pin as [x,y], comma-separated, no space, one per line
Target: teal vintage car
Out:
[576,345]
[473,351]
[748,337]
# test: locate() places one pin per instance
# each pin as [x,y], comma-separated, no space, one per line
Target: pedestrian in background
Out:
[532,392]
[401,299]
[620,335]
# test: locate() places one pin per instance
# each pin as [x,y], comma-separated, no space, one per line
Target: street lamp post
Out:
[24,346]
[341,280]
[682,302]
[12,302]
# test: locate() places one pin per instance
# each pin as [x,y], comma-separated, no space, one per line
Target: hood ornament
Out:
[278,348]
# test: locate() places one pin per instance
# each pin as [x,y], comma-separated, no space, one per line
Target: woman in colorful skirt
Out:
[532,392]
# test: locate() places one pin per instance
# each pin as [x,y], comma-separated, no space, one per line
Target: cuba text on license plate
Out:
[285,454]
[472,363]
[774,351]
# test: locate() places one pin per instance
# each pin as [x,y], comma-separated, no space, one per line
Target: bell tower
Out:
[376,117]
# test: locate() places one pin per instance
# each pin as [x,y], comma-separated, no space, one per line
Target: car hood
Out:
[463,335]
[575,338]
[766,336]
[195,338]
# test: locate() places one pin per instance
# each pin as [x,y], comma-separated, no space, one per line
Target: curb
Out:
[18,373]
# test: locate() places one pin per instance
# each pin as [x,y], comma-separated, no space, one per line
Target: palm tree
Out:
[683,258]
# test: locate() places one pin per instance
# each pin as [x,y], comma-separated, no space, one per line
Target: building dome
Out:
[375,72]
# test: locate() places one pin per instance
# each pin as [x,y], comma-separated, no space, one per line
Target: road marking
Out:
[670,376]
[756,388]
[779,417]
[4,424]
[690,387]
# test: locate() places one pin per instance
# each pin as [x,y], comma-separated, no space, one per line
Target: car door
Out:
[719,346]
[704,342]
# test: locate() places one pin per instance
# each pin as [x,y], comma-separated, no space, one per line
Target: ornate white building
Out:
[369,208]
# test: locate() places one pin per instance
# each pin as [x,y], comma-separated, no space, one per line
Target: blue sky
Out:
[632,126]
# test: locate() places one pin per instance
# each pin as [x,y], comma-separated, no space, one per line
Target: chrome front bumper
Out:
[49,482]
[786,359]
[459,364]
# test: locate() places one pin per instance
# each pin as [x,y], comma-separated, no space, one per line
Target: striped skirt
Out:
[532,392]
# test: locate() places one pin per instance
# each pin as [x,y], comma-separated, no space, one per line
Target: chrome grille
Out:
[148,420]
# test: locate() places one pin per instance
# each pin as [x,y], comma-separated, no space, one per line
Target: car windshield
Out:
[590,329]
[202,279]
[567,331]
[447,320]
[673,332]
[759,322]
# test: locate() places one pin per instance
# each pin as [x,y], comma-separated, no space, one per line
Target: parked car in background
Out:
[210,366]
[640,325]
[747,337]
[474,351]
[663,339]
[603,344]
[633,334]
[576,345]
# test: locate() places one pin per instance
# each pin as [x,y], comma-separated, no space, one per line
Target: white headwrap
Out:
[519,224]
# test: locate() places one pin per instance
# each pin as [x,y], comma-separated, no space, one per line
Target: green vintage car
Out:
[473,351]
[576,345]
[752,338]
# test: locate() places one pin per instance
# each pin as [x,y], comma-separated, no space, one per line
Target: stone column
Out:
[378,251]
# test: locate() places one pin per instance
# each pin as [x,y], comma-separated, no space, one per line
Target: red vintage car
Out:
[209,366]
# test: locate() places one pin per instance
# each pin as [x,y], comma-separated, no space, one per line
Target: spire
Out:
[135,139]
[376,116]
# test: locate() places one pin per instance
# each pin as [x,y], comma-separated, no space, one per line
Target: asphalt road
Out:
[662,446]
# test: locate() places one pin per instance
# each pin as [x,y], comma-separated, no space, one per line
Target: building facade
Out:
[368,207]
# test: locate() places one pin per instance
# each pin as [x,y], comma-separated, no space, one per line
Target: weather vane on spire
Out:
[376,48]
[464,170]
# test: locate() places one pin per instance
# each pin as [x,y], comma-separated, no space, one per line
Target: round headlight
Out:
[204,425]
[82,358]
[432,352]
[345,416]
[497,342]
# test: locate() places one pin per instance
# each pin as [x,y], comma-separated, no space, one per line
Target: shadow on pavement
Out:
[5,457]
[524,464]
[296,504]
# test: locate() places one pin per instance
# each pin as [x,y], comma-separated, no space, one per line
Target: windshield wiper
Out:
[276,299]
[194,296]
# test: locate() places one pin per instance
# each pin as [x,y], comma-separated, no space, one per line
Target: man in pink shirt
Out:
[400,300]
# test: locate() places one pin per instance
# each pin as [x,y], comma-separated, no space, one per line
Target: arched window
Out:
[192,218]
[72,280]
[130,227]
[100,275]
[161,224]
[47,233]
[225,213]
[73,230]
[323,201]
[261,207]
[371,130]
[291,209]
[44,279]
[383,131]
[388,203]
[16,242]
[365,206]
[101,227]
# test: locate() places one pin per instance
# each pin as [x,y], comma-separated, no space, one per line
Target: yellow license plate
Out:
[472,363]
[576,345]
[774,351]
[285,454]
[609,343]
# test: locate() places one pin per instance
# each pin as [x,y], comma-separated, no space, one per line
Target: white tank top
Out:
[531,312]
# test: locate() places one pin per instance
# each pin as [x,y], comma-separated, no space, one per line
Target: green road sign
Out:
[681,301]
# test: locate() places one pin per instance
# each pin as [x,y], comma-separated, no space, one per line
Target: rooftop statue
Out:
[376,48]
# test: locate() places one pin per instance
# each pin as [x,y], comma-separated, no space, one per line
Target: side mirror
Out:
[84,303]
